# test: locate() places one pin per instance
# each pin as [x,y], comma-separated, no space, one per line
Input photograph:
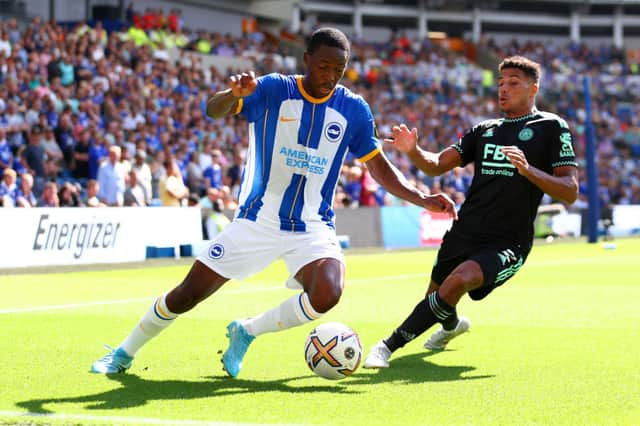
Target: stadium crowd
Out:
[91,118]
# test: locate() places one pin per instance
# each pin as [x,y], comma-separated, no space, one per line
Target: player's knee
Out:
[325,297]
[178,301]
[464,280]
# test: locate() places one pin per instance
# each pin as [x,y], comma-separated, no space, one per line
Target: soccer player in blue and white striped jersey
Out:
[301,129]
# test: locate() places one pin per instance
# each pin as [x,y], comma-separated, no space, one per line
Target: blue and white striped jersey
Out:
[296,149]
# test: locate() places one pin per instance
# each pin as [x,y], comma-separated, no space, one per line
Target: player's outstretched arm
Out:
[387,175]
[225,102]
[562,185]
[433,164]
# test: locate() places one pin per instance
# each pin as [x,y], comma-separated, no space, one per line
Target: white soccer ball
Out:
[333,351]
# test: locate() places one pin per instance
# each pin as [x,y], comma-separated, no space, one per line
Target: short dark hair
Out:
[529,67]
[328,37]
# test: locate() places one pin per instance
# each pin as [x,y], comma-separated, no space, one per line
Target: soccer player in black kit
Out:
[517,159]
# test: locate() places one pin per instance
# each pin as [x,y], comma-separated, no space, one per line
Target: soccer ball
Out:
[333,351]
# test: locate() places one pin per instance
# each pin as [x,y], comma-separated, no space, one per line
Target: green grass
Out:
[558,345]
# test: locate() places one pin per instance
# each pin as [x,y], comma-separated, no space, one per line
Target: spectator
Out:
[352,183]
[49,196]
[195,180]
[92,200]
[216,220]
[8,189]
[125,159]
[16,123]
[32,115]
[34,156]
[67,72]
[53,68]
[6,156]
[173,192]
[213,173]
[26,197]
[143,174]
[158,174]
[81,154]
[111,179]
[213,195]
[98,152]
[5,44]
[229,202]
[135,195]
[52,150]
[234,173]
[133,118]
[66,140]
[69,195]
[368,188]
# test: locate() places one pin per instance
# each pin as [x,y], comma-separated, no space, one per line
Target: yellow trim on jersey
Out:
[238,107]
[369,156]
[310,98]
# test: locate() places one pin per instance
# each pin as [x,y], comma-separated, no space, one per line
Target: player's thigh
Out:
[498,266]
[304,249]
[451,254]
[242,249]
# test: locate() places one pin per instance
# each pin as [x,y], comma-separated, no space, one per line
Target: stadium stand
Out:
[143,85]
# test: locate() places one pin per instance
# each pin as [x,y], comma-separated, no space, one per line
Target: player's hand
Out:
[517,158]
[402,138]
[441,203]
[243,84]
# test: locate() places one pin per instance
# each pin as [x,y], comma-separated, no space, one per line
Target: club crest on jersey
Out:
[216,251]
[525,134]
[333,131]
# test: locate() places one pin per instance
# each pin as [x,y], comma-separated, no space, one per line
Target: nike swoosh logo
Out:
[287,119]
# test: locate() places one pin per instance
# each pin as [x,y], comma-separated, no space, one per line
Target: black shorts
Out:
[498,261]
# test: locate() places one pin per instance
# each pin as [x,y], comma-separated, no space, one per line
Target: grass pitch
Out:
[559,344]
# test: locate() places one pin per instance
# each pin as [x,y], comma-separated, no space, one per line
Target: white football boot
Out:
[440,338]
[378,356]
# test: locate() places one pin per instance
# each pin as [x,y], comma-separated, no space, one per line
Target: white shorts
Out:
[245,248]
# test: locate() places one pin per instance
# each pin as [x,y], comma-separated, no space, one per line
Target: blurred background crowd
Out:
[96,118]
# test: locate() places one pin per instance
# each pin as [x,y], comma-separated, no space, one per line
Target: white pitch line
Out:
[425,275]
[119,419]
[47,308]
[74,305]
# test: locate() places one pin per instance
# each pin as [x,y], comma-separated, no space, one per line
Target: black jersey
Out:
[501,205]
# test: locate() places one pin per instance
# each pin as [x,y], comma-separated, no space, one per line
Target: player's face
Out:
[325,68]
[516,92]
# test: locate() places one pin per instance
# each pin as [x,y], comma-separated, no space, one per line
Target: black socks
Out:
[429,311]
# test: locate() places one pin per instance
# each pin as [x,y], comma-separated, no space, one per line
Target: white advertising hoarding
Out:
[69,236]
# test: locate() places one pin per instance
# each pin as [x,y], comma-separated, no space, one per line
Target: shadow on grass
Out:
[415,368]
[136,391]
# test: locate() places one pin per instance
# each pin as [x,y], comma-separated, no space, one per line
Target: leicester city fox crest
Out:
[525,134]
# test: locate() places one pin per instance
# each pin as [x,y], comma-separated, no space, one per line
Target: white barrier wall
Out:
[73,236]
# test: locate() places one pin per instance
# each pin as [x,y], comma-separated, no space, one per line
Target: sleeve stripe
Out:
[369,156]
[238,107]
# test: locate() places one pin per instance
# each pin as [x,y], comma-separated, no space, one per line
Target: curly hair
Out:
[530,68]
